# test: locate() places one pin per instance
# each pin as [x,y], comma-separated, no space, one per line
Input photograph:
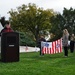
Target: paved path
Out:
[29,49]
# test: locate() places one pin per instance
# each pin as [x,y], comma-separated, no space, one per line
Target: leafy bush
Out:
[26,39]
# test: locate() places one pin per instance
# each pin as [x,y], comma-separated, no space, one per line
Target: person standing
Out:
[7,27]
[39,43]
[65,41]
[72,38]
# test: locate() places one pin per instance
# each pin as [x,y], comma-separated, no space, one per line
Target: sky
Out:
[56,5]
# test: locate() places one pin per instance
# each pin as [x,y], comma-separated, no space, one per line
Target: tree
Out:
[57,26]
[31,19]
[60,22]
[69,16]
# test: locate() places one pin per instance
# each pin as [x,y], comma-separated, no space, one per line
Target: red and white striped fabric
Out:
[52,47]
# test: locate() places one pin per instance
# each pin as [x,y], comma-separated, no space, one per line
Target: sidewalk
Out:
[29,49]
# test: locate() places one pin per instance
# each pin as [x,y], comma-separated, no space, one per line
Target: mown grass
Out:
[34,64]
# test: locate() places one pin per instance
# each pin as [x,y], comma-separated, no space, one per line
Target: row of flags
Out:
[51,47]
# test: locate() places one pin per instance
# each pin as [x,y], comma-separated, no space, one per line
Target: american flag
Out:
[52,47]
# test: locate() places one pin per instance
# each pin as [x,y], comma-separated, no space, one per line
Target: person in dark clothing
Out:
[72,41]
[7,27]
[39,43]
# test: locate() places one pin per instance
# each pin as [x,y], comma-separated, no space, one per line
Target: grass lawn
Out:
[34,64]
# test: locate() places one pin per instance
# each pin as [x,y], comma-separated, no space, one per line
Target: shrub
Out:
[26,39]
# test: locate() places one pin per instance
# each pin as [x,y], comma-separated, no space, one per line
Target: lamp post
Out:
[36,33]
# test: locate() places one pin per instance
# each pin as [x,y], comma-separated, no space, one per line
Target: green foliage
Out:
[26,39]
[62,21]
[57,26]
[69,16]
[26,17]
[33,64]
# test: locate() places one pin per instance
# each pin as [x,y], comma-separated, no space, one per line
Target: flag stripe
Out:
[54,47]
